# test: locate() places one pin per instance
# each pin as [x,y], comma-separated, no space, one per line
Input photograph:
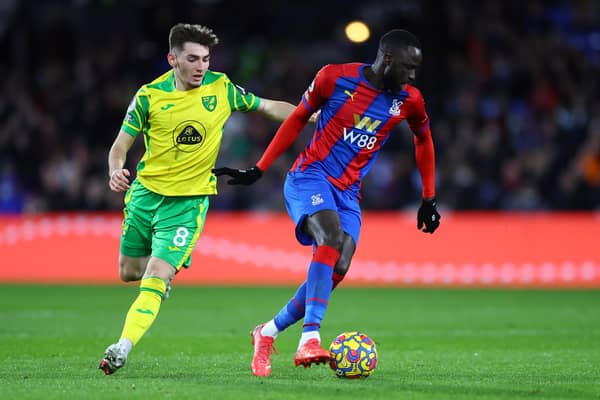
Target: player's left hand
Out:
[240,176]
[428,216]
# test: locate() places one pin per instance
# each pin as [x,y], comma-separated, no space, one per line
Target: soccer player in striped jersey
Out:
[181,115]
[359,105]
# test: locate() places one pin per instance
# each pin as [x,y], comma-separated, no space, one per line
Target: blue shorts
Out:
[306,194]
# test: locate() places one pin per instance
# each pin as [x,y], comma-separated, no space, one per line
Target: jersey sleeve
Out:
[137,113]
[239,98]
[319,89]
[284,137]
[418,120]
[424,148]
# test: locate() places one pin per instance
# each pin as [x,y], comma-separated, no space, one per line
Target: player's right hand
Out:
[240,176]
[119,180]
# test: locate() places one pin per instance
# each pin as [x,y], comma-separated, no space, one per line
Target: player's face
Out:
[190,64]
[403,67]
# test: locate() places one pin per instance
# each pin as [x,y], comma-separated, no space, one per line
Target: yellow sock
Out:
[144,309]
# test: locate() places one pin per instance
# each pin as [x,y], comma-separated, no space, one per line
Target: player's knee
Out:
[334,239]
[127,275]
[160,269]
[130,271]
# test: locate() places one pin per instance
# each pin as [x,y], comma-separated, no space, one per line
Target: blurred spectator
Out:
[513,90]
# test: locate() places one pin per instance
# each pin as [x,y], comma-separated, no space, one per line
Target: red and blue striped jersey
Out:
[355,122]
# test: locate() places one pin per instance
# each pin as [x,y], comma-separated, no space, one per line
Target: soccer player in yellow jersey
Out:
[181,115]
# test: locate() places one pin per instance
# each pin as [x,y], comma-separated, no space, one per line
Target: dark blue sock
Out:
[318,286]
[293,311]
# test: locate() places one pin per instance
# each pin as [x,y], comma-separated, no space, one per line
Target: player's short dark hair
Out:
[398,39]
[182,33]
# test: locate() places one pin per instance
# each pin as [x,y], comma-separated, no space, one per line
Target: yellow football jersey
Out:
[183,131]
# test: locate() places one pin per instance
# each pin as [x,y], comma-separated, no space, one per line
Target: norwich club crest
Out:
[209,102]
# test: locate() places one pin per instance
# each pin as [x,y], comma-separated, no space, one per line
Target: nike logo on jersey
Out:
[167,106]
[349,94]
[145,311]
[174,248]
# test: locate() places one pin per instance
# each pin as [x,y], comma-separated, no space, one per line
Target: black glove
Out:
[240,176]
[428,216]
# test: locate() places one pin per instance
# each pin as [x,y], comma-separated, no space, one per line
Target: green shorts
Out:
[165,227]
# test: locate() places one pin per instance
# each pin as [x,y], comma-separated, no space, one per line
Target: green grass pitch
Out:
[433,344]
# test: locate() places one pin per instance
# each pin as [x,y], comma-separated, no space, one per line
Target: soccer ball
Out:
[353,355]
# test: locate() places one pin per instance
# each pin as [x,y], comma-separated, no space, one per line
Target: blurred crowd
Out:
[512,89]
